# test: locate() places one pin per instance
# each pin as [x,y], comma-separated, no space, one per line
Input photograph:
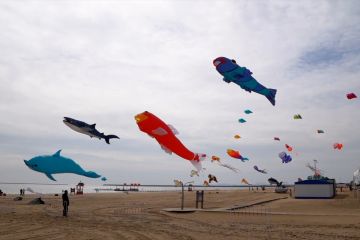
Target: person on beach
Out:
[66,202]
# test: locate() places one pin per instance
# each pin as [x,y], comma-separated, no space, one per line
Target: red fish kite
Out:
[215,158]
[165,136]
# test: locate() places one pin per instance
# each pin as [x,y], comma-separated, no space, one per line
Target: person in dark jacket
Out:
[66,202]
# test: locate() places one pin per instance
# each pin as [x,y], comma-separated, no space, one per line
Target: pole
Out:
[182,196]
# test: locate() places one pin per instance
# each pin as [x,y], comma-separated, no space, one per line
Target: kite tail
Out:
[108,137]
[91,174]
[271,96]
[197,160]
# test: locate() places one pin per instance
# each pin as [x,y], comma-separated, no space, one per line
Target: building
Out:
[315,188]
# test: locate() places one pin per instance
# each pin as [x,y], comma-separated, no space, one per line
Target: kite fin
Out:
[49,176]
[166,149]
[271,96]
[196,162]
[159,131]
[108,137]
[57,154]
[93,126]
[91,174]
[175,132]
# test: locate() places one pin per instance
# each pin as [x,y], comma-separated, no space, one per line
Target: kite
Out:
[241,120]
[53,164]
[276,139]
[215,158]
[242,77]
[259,170]
[165,135]
[177,183]
[247,111]
[193,173]
[351,96]
[103,179]
[237,136]
[212,178]
[206,183]
[229,167]
[284,157]
[87,129]
[297,116]
[274,181]
[245,181]
[320,131]
[338,146]
[289,148]
[236,154]
[317,172]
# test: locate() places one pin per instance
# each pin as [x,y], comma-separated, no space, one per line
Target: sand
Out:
[139,215]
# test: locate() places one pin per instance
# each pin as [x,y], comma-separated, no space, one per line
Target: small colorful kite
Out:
[320,131]
[241,120]
[242,77]
[247,111]
[338,146]
[229,167]
[245,181]
[177,183]
[193,173]
[215,158]
[351,96]
[297,116]
[103,179]
[237,136]
[276,139]
[206,183]
[288,147]
[212,178]
[285,157]
[236,154]
[260,170]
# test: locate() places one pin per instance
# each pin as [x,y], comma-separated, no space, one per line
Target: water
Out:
[52,189]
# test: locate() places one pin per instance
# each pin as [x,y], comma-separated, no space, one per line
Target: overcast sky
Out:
[104,62]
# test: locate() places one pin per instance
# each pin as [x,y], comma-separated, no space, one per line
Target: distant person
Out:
[66,203]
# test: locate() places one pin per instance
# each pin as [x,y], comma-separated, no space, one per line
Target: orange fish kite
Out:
[165,136]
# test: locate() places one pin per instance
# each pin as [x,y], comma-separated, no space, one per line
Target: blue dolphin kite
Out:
[52,164]
[242,77]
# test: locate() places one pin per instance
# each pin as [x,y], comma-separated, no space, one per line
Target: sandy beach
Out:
[140,215]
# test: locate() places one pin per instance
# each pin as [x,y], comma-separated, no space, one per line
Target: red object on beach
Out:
[351,95]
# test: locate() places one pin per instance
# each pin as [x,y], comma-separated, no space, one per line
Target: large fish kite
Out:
[285,157]
[87,129]
[53,164]
[242,77]
[165,136]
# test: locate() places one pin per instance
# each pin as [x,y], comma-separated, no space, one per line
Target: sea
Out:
[14,188]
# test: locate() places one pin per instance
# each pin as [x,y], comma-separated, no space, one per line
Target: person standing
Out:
[66,203]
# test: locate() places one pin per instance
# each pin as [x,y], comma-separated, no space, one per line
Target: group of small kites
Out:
[165,134]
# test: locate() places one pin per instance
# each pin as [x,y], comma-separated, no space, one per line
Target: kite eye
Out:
[216,63]
[233,60]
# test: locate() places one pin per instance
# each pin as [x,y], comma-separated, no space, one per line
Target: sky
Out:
[104,62]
